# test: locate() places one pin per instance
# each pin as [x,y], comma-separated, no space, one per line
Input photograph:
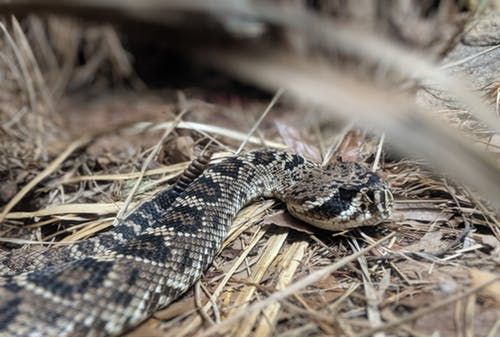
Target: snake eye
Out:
[347,194]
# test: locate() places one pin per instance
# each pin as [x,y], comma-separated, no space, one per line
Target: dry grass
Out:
[432,269]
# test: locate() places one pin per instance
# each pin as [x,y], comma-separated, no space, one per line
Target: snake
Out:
[110,283]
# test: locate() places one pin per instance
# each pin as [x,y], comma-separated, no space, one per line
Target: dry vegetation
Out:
[85,135]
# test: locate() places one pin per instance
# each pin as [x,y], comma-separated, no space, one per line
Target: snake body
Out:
[108,284]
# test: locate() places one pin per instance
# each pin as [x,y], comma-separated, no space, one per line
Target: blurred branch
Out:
[409,129]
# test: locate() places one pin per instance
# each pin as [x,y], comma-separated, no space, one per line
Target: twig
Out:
[261,118]
[199,305]
[334,148]
[372,301]
[379,152]
[28,81]
[468,58]
[199,127]
[80,208]
[145,165]
[494,329]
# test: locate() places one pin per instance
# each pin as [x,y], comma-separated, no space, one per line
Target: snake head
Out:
[340,196]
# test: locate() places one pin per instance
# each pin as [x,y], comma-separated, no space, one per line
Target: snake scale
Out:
[107,284]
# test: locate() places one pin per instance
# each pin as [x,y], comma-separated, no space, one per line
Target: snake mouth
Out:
[338,223]
[367,208]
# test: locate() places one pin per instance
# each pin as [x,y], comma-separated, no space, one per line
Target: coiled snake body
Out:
[112,282]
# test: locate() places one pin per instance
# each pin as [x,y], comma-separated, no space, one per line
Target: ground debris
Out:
[434,273]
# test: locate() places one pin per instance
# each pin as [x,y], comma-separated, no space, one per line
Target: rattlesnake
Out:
[107,284]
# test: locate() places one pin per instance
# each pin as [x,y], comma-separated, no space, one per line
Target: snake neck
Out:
[236,181]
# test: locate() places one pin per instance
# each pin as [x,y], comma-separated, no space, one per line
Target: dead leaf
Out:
[430,242]
[488,240]
[298,141]
[283,219]
[417,299]
[479,277]
[351,145]
[440,321]
[177,150]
